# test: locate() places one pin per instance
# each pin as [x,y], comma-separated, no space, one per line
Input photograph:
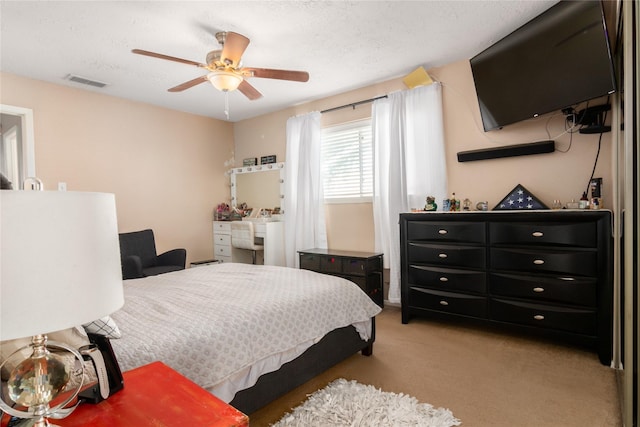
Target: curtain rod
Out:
[353,104]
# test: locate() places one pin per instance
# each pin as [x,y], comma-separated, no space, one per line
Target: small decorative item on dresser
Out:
[431,204]
[268,159]
[520,198]
[252,161]
[222,212]
[482,206]
[454,204]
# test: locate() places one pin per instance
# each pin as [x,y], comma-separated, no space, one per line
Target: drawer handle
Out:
[442,231]
[538,290]
[537,234]
[538,261]
[442,255]
[444,279]
[443,302]
[538,317]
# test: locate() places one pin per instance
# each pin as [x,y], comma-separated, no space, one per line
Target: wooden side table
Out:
[362,268]
[156,395]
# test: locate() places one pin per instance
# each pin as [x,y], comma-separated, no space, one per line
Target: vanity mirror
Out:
[17,152]
[260,186]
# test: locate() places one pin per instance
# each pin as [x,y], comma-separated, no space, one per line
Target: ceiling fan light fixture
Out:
[225,81]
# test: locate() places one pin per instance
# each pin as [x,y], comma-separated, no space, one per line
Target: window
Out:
[347,162]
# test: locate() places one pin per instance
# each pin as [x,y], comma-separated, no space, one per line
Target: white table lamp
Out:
[59,268]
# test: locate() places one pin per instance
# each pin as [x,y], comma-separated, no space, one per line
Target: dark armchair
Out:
[139,257]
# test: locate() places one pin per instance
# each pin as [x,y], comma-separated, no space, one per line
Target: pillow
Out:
[104,326]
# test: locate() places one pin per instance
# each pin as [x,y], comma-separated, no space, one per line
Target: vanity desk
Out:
[259,186]
[271,234]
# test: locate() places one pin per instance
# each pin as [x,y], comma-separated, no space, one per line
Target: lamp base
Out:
[36,381]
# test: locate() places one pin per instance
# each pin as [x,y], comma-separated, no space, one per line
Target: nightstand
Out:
[362,268]
[156,395]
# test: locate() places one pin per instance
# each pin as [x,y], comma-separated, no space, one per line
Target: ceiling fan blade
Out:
[249,91]
[167,57]
[267,73]
[233,48]
[187,85]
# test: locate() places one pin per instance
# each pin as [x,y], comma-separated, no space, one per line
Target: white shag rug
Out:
[349,403]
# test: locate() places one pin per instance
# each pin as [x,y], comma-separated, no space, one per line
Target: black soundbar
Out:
[507,151]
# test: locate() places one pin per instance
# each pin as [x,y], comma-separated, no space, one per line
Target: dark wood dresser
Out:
[362,268]
[544,272]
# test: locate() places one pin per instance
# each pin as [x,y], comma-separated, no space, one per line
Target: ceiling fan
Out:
[226,72]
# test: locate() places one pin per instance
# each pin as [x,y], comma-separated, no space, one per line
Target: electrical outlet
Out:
[62,186]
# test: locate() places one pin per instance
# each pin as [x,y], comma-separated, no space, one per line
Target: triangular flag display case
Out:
[520,199]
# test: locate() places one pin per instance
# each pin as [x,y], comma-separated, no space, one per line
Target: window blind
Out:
[347,161]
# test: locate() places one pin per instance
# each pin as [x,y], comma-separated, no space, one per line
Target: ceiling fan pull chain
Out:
[226,104]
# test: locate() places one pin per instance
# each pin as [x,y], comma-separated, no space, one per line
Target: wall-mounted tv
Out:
[557,60]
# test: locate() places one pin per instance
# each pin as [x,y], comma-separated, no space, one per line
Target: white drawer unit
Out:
[222,241]
[271,233]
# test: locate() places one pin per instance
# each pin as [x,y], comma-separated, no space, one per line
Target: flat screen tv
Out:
[557,60]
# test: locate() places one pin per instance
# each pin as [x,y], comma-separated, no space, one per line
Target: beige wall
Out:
[557,175]
[166,168]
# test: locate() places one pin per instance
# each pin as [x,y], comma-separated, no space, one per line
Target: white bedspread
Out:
[224,325]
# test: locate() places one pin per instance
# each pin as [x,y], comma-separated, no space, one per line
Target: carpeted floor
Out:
[486,378]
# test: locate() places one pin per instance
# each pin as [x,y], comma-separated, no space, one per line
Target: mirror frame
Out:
[28,139]
[255,169]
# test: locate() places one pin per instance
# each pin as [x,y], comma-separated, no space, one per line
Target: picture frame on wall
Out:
[265,160]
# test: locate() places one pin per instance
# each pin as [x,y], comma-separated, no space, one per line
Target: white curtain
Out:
[303,196]
[410,164]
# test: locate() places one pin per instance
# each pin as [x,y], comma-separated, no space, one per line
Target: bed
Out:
[246,333]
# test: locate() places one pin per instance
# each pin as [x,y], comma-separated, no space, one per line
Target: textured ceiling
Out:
[344,45]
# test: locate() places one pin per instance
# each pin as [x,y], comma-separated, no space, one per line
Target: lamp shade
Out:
[59,261]
[225,81]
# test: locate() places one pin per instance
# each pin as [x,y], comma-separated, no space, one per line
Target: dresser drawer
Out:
[361,266]
[354,266]
[370,285]
[544,316]
[445,231]
[447,255]
[448,278]
[448,302]
[331,264]
[222,251]
[581,234]
[551,260]
[222,239]
[310,262]
[222,227]
[567,290]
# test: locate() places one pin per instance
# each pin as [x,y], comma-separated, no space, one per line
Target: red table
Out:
[156,395]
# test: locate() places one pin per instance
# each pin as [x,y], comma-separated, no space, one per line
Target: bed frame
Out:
[329,351]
